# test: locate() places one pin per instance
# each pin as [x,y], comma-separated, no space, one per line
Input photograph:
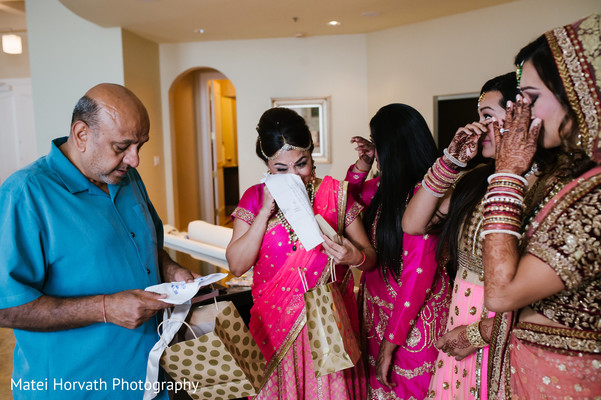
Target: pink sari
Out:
[278,314]
[411,312]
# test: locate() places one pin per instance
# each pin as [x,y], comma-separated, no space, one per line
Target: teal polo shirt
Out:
[60,235]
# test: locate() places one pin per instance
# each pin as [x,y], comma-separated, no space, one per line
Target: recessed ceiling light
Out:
[199,30]
[334,23]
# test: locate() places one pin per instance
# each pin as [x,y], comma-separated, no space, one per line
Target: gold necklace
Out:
[556,184]
[292,236]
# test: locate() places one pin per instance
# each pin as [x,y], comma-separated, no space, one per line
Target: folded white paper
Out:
[180,292]
[290,194]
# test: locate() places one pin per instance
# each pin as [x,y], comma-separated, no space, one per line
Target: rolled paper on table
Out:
[205,232]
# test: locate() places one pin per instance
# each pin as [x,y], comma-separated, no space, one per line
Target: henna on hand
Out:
[500,258]
[516,141]
[456,343]
[464,145]
[365,149]
[460,342]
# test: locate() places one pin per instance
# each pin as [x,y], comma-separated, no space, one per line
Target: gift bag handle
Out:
[340,225]
[174,320]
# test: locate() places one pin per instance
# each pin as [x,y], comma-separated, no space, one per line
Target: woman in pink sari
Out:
[405,300]
[263,238]
[545,275]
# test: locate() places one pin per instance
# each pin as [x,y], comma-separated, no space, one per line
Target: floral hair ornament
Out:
[285,147]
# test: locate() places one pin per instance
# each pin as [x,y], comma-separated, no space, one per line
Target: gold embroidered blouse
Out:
[569,240]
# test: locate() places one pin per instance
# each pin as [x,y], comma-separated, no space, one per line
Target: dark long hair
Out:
[570,159]
[278,126]
[471,187]
[405,150]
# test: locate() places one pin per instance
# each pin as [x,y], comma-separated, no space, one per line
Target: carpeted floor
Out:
[7,345]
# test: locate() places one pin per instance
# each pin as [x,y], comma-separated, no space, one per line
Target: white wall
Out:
[457,54]
[261,69]
[17,133]
[410,64]
[67,55]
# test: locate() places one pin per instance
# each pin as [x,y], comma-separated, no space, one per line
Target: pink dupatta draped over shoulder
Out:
[278,313]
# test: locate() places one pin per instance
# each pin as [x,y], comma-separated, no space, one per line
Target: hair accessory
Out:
[481,98]
[518,73]
[285,147]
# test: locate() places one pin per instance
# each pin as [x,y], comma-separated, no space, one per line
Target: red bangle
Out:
[360,264]
[361,169]
[103,308]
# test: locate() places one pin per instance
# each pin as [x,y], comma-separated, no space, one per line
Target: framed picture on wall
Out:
[315,111]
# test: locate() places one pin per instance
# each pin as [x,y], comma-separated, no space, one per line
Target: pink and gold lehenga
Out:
[278,313]
[410,312]
[465,379]
[533,360]
[562,360]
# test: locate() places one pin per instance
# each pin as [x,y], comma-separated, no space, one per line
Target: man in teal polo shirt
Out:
[79,241]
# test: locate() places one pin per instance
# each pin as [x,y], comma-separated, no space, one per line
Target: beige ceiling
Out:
[12,16]
[166,21]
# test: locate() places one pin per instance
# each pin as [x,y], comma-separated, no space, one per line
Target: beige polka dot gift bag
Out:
[224,363]
[334,345]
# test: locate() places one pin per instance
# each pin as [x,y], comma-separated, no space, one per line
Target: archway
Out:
[203,150]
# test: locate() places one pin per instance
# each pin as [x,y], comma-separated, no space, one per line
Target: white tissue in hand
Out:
[180,292]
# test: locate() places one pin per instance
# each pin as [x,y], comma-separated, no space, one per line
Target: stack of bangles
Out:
[504,204]
[440,177]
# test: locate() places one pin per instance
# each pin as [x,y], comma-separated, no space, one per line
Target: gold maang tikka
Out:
[285,147]
[481,98]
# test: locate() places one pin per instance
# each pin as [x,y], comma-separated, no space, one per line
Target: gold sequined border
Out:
[580,88]
[470,268]
[288,342]
[427,367]
[498,356]
[244,215]
[559,340]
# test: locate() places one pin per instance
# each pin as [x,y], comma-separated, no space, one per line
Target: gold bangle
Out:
[474,336]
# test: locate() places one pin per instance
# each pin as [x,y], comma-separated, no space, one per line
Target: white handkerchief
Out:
[180,292]
[290,194]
